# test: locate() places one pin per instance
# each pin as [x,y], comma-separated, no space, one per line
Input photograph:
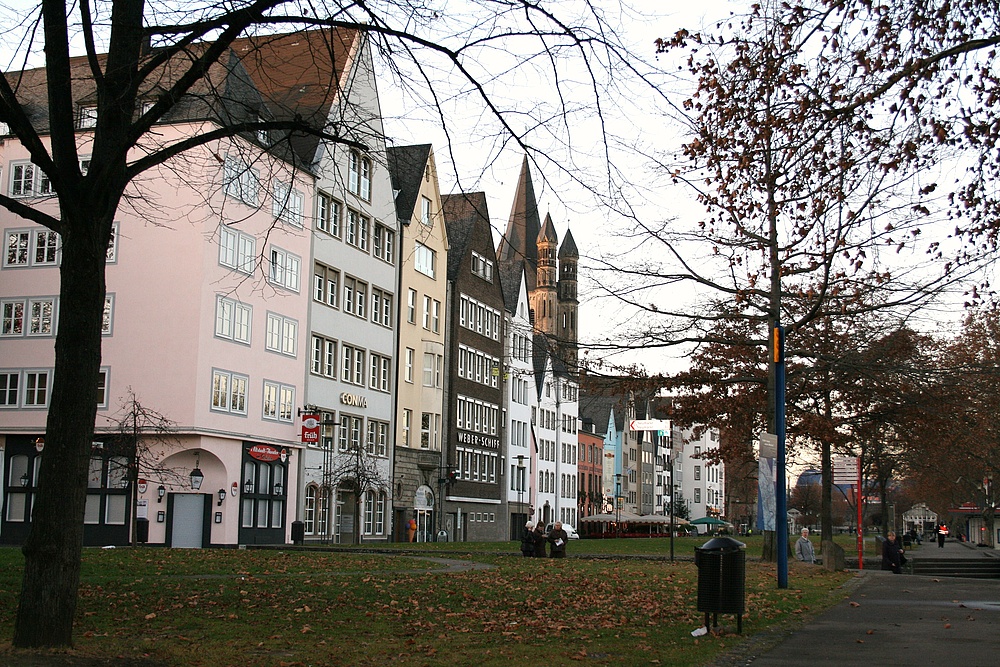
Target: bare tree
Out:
[144,437]
[156,59]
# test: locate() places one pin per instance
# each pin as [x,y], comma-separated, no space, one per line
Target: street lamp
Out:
[197,476]
[618,503]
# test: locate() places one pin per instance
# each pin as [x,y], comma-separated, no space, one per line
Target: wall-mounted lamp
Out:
[222,496]
[160,492]
[124,482]
[248,486]
[24,479]
[197,476]
[278,488]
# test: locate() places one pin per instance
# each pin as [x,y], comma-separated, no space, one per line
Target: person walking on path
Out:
[804,548]
[528,541]
[538,540]
[942,532]
[558,538]
[892,554]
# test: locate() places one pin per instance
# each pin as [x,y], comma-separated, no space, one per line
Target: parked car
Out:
[568,527]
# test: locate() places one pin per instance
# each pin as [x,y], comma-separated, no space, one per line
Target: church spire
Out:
[519,241]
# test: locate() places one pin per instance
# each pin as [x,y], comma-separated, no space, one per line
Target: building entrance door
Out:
[187,522]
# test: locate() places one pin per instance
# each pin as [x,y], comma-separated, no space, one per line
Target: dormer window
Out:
[88,117]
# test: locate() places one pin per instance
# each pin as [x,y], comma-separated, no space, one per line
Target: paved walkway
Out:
[900,619]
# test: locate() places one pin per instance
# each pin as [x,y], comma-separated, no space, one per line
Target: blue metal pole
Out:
[781,505]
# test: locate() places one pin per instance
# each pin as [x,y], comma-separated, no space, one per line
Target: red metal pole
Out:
[861,539]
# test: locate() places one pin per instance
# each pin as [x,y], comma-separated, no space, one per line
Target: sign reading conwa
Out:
[264,453]
[649,425]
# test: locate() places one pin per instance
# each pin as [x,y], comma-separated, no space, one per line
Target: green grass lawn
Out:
[290,608]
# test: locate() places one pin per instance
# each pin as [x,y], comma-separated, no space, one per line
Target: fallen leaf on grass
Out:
[860,641]
[947,625]
[855,604]
[870,632]
[150,616]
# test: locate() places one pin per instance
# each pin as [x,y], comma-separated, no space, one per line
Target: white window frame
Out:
[287,203]
[46,325]
[233,319]
[278,401]
[13,315]
[237,251]
[284,269]
[424,260]
[241,181]
[43,388]
[10,389]
[324,356]
[229,392]
[282,335]
[329,213]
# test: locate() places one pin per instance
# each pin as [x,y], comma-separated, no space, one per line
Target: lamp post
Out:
[618,503]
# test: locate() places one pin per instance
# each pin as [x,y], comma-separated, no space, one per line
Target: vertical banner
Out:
[766,499]
[310,429]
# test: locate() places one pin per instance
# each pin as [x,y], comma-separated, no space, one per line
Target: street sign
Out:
[845,470]
[649,425]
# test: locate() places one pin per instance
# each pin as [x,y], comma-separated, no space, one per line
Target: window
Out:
[408,372]
[46,247]
[424,259]
[360,176]
[407,425]
[286,204]
[36,247]
[697,472]
[411,306]
[378,438]
[232,320]
[108,318]
[22,179]
[87,117]
[378,375]
[436,316]
[284,269]
[482,267]
[425,430]
[102,388]
[12,313]
[427,312]
[279,401]
[324,356]
[328,214]
[353,365]
[381,307]
[36,389]
[355,296]
[350,433]
[357,229]
[425,211]
[112,254]
[384,243]
[326,285]
[240,181]
[229,392]
[41,313]
[697,495]
[9,384]
[282,334]
[237,250]
[428,369]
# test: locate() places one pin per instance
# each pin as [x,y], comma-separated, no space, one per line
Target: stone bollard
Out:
[833,556]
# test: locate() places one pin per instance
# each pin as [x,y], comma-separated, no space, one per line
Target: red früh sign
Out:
[264,453]
[310,429]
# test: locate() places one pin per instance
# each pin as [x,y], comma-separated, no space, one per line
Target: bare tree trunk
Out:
[55,540]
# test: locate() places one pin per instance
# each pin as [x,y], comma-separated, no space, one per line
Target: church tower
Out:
[567,332]
[545,298]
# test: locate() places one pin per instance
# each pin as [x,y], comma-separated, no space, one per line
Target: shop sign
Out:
[466,438]
[264,452]
[423,498]
[354,400]
[310,429]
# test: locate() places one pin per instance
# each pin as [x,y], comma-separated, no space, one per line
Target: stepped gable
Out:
[406,169]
